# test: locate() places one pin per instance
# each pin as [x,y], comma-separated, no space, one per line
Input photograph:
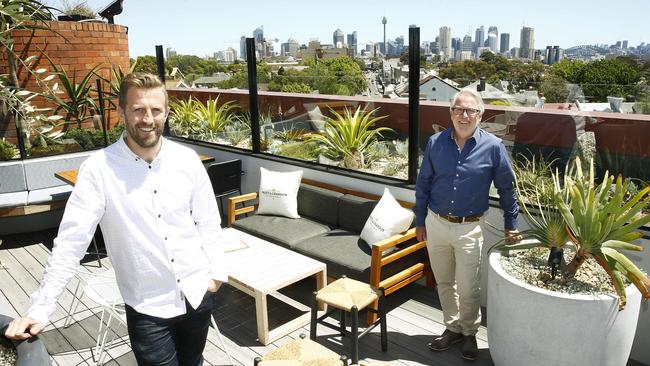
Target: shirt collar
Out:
[476,135]
[124,148]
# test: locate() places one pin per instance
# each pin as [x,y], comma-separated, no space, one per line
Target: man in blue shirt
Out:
[451,197]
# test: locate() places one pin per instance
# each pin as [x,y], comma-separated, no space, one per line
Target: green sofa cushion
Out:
[319,203]
[281,230]
[354,212]
[346,254]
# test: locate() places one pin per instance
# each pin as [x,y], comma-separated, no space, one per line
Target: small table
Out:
[259,268]
[70,176]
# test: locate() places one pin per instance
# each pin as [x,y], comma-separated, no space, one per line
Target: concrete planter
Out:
[532,326]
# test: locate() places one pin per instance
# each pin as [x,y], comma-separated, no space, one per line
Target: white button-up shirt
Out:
[161,226]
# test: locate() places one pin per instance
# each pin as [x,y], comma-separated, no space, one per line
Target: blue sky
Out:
[202,27]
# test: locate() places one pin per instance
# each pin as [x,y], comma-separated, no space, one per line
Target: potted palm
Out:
[533,326]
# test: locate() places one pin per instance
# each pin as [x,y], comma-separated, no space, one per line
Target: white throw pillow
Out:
[387,219]
[278,194]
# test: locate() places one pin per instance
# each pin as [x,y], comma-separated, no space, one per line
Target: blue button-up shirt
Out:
[457,182]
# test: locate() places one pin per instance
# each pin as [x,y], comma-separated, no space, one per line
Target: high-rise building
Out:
[558,54]
[505,42]
[242,47]
[384,21]
[230,55]
[493,39]
[169,52]
[445,43]
[527,43]
[290,48]
[479,38]
[456,45]
[258,35]
[352,43]
[467,44]
[338,39]
[399,41]
[624,43]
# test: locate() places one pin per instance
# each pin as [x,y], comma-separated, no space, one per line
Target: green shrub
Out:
[300,150]
[7,150]
[54,149]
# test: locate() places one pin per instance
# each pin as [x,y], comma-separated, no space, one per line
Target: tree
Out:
[146,64]
[554,89]
[464,72]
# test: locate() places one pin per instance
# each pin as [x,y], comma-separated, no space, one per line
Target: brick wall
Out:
[73,46]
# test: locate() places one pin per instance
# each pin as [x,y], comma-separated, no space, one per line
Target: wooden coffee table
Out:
[259,268]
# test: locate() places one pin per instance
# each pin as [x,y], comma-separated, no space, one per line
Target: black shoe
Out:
[469,349]
[442,342]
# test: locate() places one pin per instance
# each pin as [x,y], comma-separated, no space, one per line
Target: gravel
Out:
[7,356]
[530,266]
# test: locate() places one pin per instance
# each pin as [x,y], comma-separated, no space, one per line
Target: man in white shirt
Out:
[161,225]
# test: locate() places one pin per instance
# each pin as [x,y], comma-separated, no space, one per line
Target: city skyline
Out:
[201,27]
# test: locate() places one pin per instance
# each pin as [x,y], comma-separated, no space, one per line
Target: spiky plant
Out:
[535,191]
[182,119]
[601,221]
[347,135]
[214,116]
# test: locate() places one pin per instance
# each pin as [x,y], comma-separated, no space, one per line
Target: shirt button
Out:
[155,191]
[172,260]
[165,238]
[149,166]
[178,281]
[159,214]
[456,174]
[454,190]
[458,161]
[452,201]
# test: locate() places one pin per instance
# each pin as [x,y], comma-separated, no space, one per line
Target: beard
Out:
[144,139]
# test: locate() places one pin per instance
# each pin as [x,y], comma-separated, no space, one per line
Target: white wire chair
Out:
[102,289]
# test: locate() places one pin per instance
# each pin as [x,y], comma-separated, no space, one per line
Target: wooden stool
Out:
[301,352]
[350,296]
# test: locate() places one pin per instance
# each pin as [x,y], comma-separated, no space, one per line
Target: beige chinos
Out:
[455,256]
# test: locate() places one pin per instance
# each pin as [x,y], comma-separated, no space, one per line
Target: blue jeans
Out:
[31,352]
[177,341]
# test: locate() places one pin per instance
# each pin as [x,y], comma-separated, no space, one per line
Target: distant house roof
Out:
[210,81]
[490,92]
[432,87]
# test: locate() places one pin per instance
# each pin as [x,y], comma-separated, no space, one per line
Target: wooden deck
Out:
[413,318]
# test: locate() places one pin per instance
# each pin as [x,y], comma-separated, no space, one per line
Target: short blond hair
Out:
[140,80]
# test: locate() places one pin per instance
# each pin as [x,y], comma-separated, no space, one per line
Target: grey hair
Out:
[472,93]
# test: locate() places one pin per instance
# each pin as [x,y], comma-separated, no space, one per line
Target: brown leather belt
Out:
[460,219]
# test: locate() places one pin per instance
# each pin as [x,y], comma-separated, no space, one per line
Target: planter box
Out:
[532,326]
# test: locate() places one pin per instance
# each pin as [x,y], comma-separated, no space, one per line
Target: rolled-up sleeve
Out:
[504,181]
[423,186]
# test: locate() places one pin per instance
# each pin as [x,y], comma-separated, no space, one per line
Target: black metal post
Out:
[21,138]
[160,63]
[414,101]
[252,94]
[100,98]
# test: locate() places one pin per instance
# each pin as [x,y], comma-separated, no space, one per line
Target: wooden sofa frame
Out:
[406,243]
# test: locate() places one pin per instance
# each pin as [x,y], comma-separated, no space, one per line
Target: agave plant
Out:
[601,221]
[78,104]
[182,119]
[535,192]
[347,135]
[214,117]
